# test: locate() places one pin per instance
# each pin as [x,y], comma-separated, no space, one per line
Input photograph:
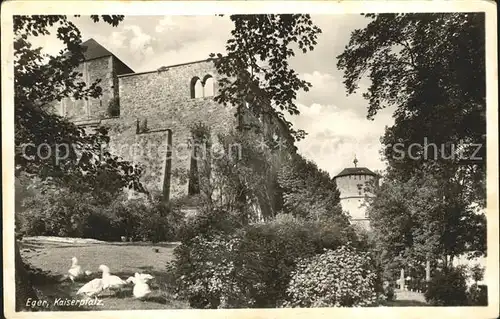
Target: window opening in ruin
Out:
[196,88]
[208,86]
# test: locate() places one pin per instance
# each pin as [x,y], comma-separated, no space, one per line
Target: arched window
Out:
[196,88]
[208,86]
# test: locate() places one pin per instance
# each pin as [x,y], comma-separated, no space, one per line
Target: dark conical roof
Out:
[355,171]
[94,50]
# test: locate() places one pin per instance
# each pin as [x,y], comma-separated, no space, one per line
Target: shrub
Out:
[261,258]
[204,271]
[267,256]
[98,225]
[389,293]
[142,219]
[207,223]
[477,295]
[70,214]
[159,222]
[204,262]
[339,278]
[56,213]
[448,287]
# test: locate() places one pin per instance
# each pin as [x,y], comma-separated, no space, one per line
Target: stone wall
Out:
[163,99]
[78,110]
[153,105]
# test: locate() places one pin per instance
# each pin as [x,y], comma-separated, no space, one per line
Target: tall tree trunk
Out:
[24,288]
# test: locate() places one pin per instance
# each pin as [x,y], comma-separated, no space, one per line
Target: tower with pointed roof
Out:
[99,64]
[356,185]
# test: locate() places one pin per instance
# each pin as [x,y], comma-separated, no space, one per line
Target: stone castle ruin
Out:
[155,111]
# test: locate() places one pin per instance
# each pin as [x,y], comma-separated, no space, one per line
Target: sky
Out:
[336,124]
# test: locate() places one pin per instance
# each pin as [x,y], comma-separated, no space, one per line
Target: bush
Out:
[141,219]
[477,295]
[204,262]
[267,256]
[338,278]
[160,222]
[98,225]
[208,223]
[70,214]
[262,258]
[388,288]
[205,272]
[55,213]
[447,288]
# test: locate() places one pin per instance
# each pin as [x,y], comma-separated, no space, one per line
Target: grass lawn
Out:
[123,259]
[407,299]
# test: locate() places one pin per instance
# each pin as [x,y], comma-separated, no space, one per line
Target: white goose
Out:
[76,270]
[111,281]
[91,288]
[141,288]
[145,277]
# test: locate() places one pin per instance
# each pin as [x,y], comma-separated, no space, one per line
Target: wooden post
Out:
[427,270]
[402,279]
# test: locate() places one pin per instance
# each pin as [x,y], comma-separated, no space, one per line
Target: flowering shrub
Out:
[205,271]
[338,278]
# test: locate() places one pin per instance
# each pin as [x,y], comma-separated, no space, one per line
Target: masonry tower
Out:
[355,186]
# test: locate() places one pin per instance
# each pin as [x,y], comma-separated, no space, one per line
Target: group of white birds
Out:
[109,282]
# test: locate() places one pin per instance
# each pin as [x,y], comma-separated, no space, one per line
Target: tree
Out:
[412,223]
[41,135]
[256,63]
[307,190]
[431,68]
[39,80]
[255,73]
[240,176]
[477,273]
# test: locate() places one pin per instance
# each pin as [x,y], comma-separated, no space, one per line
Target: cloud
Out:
[328,89]
[130,43]
[175,32]
[335,135]
[189,52]
[138,40]
[117,40]
[166,23]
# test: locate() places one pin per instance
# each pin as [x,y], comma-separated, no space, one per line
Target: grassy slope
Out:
[123,259]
